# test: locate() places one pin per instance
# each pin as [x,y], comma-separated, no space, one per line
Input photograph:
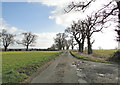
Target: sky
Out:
[46,18]
[32,17]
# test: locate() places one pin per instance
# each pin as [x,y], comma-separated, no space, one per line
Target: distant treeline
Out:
[30,50]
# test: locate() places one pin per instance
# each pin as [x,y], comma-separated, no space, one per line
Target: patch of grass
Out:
[17,66]
[88,58]
[106,53]
[77,55]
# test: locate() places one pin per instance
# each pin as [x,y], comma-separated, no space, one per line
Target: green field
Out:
[106,53]
[17,66]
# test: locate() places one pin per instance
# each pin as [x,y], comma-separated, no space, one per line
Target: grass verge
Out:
[105,53]
[18,66]
[88,58]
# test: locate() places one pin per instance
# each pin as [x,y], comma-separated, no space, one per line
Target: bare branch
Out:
[80,5]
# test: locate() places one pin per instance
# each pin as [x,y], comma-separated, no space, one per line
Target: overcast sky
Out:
[46,18]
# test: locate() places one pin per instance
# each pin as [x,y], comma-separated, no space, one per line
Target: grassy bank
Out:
[106,53]
[17,66]
[93,57]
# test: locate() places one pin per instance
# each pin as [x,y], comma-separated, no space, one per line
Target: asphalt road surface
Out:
[67,69]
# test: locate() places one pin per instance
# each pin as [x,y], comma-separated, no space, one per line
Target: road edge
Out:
[40,69]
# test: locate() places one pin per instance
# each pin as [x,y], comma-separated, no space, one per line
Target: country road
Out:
[60,71]
[67,69]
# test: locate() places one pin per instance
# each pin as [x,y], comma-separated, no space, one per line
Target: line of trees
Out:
[106,10]
[84,29]
[61,42]
[8,39]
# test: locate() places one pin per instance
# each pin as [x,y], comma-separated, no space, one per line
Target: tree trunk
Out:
[72,47]
[27,48]
[79,50]
[80,47]
[89,46]
[118,3]
[5,47]
[67,47]
[63,48]
[59,47]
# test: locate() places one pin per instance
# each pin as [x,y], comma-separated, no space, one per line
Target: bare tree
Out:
[118,30]
[6,39]
[28,40]
[85,29]
[53,47]
[96,19]
[72,42]
[67,43]
[60,40]
[93,23]
[106,10]
[63,39]
[78,31]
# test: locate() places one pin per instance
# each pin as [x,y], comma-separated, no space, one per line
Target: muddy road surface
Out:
[67,69]
[60,71]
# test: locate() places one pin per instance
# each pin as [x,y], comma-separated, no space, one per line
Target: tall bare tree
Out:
[106,10]
[63,39]
[93,23]
[72,42]
[118,30]
[6,39]
[53,47]
[78,31]
[60,40]
[67,43]
[28,40]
